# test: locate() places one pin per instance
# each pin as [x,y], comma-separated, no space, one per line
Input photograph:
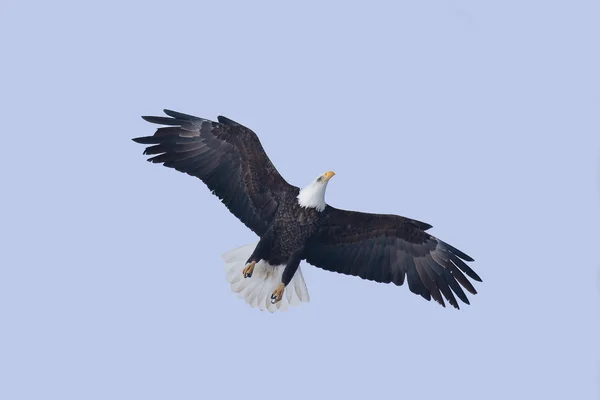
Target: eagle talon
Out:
[247,272]
[277,294]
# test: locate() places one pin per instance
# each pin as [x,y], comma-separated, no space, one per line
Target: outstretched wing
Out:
[391,248]
[227,157]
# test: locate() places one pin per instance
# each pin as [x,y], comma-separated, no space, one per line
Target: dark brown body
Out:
[284,242]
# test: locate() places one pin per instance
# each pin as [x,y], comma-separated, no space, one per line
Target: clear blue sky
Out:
[481,118]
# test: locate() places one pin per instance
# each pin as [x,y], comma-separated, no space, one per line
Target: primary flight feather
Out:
[297,224]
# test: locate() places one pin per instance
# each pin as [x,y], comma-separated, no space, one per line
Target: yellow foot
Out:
[278,293]
[247,272]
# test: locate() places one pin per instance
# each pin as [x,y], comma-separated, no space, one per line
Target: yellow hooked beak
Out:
[328,175]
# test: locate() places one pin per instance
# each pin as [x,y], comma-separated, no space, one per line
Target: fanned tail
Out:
[257,289]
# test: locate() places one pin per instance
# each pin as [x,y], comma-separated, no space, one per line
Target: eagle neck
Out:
[313,196]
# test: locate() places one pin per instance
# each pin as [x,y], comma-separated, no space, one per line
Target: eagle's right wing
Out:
[227,157]
[390,249]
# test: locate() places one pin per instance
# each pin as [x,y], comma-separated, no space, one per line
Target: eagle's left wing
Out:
[227,157]
[388,248]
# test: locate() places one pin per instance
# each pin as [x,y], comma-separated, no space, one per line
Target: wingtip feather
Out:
[146,140]
[179,115]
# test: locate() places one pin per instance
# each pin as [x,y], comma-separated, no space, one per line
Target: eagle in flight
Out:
[297,224]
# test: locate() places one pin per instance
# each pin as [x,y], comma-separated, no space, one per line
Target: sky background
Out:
[481,118]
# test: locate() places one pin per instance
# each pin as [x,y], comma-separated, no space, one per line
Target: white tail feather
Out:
[257,289]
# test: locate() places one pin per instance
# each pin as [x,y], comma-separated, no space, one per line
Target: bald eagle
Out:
[297,224]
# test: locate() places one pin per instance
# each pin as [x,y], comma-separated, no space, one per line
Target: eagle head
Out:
[313,195]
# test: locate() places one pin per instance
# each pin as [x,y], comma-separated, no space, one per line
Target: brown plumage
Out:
[230,160]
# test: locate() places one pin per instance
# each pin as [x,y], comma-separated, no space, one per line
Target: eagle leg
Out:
[247,272]
[278,293]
